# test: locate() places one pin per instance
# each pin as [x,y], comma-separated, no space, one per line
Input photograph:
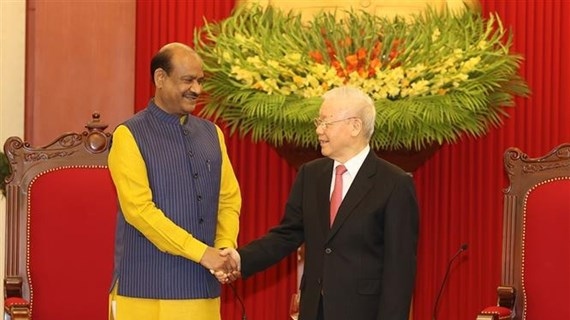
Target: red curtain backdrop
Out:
[459,189]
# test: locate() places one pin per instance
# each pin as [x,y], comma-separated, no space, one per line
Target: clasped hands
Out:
[224,264]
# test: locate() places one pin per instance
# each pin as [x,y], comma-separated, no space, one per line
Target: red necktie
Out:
[336,197]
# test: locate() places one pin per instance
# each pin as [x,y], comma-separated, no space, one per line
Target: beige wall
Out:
[380,7]
[12,64]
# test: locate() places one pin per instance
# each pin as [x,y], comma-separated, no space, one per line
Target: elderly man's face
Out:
[336,130]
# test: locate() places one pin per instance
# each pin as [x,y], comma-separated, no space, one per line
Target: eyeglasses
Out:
[325,124]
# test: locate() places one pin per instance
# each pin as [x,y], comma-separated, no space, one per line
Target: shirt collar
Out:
[354,163]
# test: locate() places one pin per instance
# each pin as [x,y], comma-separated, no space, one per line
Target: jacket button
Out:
[328,250]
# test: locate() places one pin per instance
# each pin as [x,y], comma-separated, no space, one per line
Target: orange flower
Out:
[393,54]
[317,56]
[374,63]
[362,61]
[377,49]
[338,68]
[331,52]
[336,65]
[352,60]
[361,54]
[395,49]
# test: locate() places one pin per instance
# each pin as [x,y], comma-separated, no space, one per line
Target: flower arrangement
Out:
[433,76]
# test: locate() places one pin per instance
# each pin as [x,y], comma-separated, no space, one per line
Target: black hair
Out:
[161,60]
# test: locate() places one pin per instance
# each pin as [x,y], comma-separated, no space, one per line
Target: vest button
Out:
[328,250]
[185,132]
[195,175]
[199,198]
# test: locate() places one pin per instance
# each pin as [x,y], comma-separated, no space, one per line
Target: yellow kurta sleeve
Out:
[229,203]
[129,175]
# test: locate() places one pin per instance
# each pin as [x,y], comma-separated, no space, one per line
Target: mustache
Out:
[192,95]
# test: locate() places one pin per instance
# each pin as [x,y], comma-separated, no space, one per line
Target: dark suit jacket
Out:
[364,266]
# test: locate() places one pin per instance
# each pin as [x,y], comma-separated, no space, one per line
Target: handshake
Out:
[224,264]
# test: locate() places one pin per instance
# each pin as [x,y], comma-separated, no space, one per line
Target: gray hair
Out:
[363,105]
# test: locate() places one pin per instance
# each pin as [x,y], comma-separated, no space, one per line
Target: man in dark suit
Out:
[362,264]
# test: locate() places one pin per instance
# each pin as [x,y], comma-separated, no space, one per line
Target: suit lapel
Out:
[323,194]
[358,190]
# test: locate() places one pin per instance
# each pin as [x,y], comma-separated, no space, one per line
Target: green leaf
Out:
[439,75]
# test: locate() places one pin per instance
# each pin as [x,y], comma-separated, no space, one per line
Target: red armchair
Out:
[535,276]
[60,220]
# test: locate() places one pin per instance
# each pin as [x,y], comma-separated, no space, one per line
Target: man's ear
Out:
[356,126]
[159,77]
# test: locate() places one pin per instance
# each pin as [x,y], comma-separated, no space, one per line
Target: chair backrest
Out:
[61,211]
[536,233]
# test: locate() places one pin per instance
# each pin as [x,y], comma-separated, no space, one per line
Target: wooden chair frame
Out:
[83,150]
[524,174]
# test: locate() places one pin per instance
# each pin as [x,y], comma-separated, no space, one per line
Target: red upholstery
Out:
[15,301]
[501,312]
[546,250]
[71,242]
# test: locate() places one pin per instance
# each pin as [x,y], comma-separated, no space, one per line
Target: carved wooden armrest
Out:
[14,304]
[505,305]
[12,287]
[506,296]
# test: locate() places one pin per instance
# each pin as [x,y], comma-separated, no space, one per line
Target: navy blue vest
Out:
[183,163]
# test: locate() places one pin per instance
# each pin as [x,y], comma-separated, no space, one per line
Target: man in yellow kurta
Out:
[179,200]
